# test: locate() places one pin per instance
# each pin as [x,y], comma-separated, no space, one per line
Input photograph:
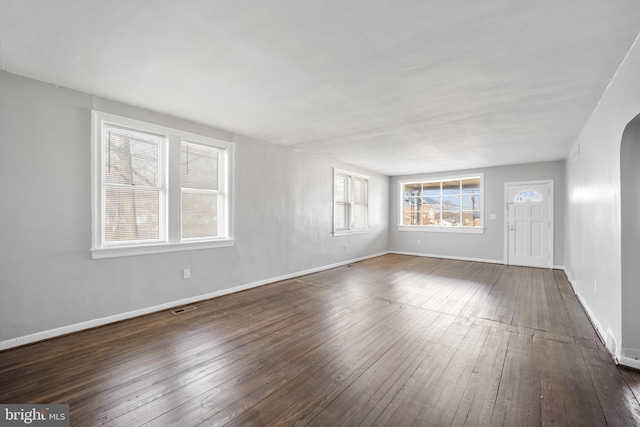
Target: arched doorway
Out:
[630,227]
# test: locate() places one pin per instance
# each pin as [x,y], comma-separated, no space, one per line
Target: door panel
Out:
[529,224]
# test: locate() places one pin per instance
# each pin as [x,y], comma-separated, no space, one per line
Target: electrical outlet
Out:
[346,247]
[595,285]
[418,242]
[186,273]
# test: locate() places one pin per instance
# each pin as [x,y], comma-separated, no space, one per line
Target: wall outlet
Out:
[595,285]
[186,273]
[418,242]
[346,247]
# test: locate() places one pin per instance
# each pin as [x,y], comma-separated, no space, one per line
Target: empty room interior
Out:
[320,212]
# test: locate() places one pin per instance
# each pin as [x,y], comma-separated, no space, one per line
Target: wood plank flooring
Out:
[395,340]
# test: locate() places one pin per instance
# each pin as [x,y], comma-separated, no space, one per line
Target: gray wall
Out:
[490,245]
[283,217]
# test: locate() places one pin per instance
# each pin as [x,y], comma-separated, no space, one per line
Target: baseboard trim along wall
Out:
[630,363]
[457,258]
[592,318]
[64,330]
[606,337]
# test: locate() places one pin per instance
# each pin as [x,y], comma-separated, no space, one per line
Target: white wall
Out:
[630,226]
[593,232]
[490,245]
[283,219]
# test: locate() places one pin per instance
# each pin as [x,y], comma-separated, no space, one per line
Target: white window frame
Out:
[350,220]
[170,222]
[441,229]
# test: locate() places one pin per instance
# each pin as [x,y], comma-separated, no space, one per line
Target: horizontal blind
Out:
[199,170]
[131,184]
[341,197]
[359,203]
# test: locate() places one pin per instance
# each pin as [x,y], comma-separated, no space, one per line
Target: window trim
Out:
[441,229]
[171,230]
[351,230]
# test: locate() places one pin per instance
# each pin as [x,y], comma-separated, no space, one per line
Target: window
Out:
[350,203]
[528,196]
[448,204]
[199,187]
[157,189]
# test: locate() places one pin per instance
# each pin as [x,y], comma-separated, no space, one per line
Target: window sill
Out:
[350,232]
[429,229]
[122,251]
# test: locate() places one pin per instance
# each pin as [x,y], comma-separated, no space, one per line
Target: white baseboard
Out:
[457,258]
[631,353]
[592,318]
[606,336]
[630,363]
[64,330]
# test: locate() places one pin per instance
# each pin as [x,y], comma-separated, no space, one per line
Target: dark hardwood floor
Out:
[394,340]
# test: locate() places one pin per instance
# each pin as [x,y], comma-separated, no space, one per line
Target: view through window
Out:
[451,202]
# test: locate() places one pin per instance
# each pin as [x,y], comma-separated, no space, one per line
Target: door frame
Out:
[505,228]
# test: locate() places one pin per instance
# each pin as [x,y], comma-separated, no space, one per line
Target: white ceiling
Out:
[393,86]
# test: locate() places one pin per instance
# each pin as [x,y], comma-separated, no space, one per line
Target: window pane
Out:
[471,219]
[431,201]
[450,203]
[406,214]
[414,203]
[450,219]
[198,167]
[351,204]
[443,202]
[431,189]
[408,201]
[430,215]
[359,216]
[412,190]
[341,215]
[359,191]
[451,187]
[434,202]
[471,186]
[199,214]
[130,158]
[341,188]
[528,195]
[413,217]
[131,214]
[471,202]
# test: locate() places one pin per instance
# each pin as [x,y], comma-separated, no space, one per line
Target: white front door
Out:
[529,223]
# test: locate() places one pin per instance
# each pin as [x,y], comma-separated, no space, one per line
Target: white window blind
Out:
[199,181]
[132,185]
[341,202]
[350,202]
[158,189]
[360,203]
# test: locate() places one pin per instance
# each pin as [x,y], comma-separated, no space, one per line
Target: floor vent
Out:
[184,309]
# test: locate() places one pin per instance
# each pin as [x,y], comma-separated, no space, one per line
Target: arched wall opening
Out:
[630,228]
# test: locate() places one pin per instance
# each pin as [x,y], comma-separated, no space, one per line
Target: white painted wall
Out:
[630,225]
[593,232]
[283,218]
[490,245]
